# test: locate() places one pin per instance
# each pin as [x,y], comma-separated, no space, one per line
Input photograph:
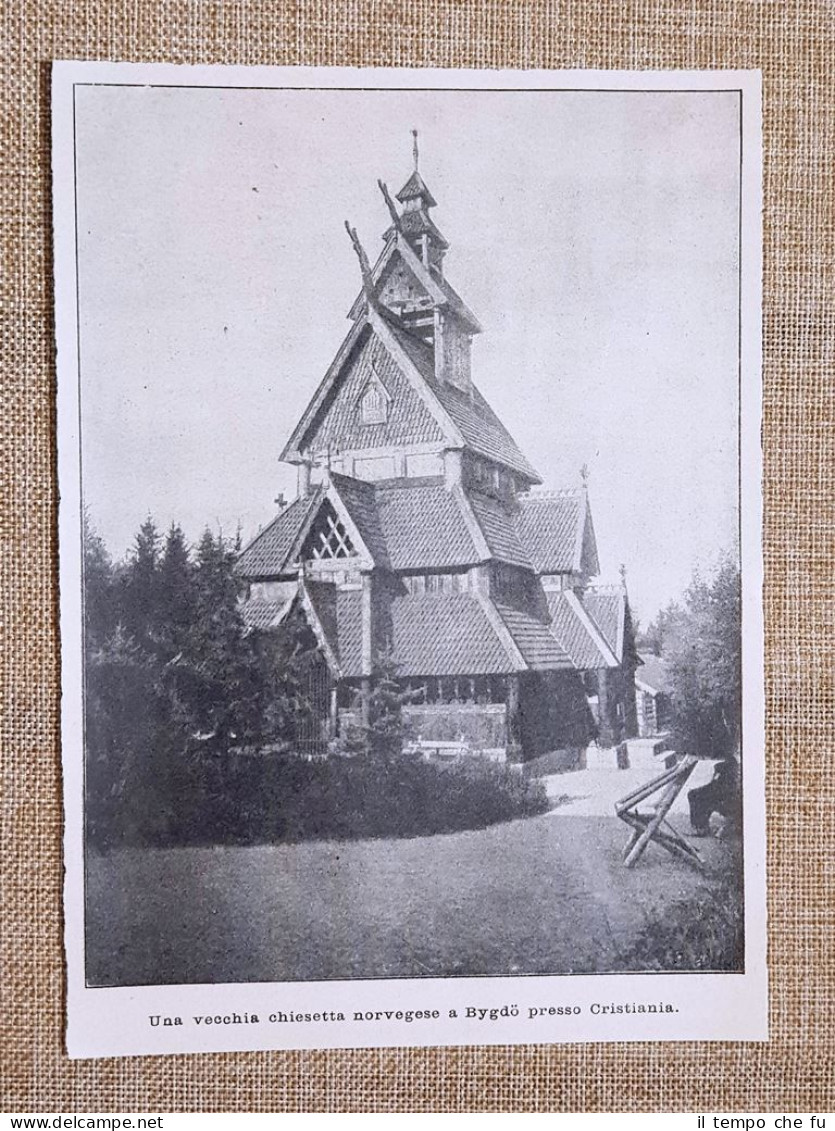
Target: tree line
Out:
[191,721]
[174,678]
[699,640]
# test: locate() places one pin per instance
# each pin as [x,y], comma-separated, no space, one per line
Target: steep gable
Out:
[606,605]
[399,284]
[339,422]
[272,552]
[556,530]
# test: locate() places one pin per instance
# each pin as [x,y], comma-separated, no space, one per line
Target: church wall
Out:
[273,590]
[482,727]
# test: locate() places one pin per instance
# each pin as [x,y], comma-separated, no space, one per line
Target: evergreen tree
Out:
[386,731]
[176,603]
[139,600]
[702,652]
[651,639]
[100,596]
[215,673]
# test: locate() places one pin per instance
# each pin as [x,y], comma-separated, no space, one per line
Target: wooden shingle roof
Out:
[607,608]
[271,552]
[260,614]
[499,527]
[480,428]
[551,527]
[360,501]
[581,640]
[424,526]
[533,637]
[445,634]
[338,420]
[414,189]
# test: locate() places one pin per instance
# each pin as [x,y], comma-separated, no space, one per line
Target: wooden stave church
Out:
[419,532]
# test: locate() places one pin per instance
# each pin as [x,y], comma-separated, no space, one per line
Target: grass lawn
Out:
[542,895]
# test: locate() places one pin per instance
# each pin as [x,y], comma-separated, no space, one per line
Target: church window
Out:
[328,539]
[374,403]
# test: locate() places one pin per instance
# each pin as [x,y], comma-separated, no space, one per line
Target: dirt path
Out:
[545,895]
[593,793]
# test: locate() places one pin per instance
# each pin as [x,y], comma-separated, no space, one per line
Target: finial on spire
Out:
[415,151]
[584,474]
[622,572]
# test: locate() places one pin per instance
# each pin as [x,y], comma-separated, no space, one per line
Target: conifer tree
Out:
[140,612]
[100,597]
[386,728]
[176,605]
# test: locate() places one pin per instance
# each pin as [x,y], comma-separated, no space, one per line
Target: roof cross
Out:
[415,151]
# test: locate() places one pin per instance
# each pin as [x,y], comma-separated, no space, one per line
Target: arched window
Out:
[374,403]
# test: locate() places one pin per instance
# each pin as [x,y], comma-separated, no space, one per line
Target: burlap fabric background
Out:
[794,45]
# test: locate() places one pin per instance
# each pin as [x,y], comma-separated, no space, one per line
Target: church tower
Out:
[417,534]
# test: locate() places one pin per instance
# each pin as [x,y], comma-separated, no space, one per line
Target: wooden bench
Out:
[653,825]
[441,750]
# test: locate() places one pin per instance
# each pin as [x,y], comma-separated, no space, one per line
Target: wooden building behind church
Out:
[420,531]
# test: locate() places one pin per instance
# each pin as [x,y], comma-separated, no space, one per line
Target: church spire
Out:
[415,222]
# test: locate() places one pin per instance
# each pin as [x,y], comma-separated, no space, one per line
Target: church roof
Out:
[360,501]
[435,285]
[338,421]
[480,428]
[424,526]
[552,528]
[263,614]
[445,634]
[415,188]
[498,525]
[271,551]
[540,649]
[418,222]
[581,639]
[405,525]
[606,606]
[430,634]
[410,524]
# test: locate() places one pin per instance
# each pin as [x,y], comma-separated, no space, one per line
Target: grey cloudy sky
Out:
[593,234]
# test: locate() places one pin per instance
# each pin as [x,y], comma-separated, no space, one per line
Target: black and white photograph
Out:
[408,435]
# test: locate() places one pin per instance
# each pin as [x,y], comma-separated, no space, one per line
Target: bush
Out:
[242,798]
[706,932]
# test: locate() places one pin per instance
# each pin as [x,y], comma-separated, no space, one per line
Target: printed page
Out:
[410,550]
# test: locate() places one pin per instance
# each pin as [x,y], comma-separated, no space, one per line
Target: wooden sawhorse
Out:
[654,825]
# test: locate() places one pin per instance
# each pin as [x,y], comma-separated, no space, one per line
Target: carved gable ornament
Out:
[374,400]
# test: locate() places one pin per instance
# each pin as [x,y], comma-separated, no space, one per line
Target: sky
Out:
[594,235]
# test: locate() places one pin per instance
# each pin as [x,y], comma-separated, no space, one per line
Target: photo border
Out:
[744,1009]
